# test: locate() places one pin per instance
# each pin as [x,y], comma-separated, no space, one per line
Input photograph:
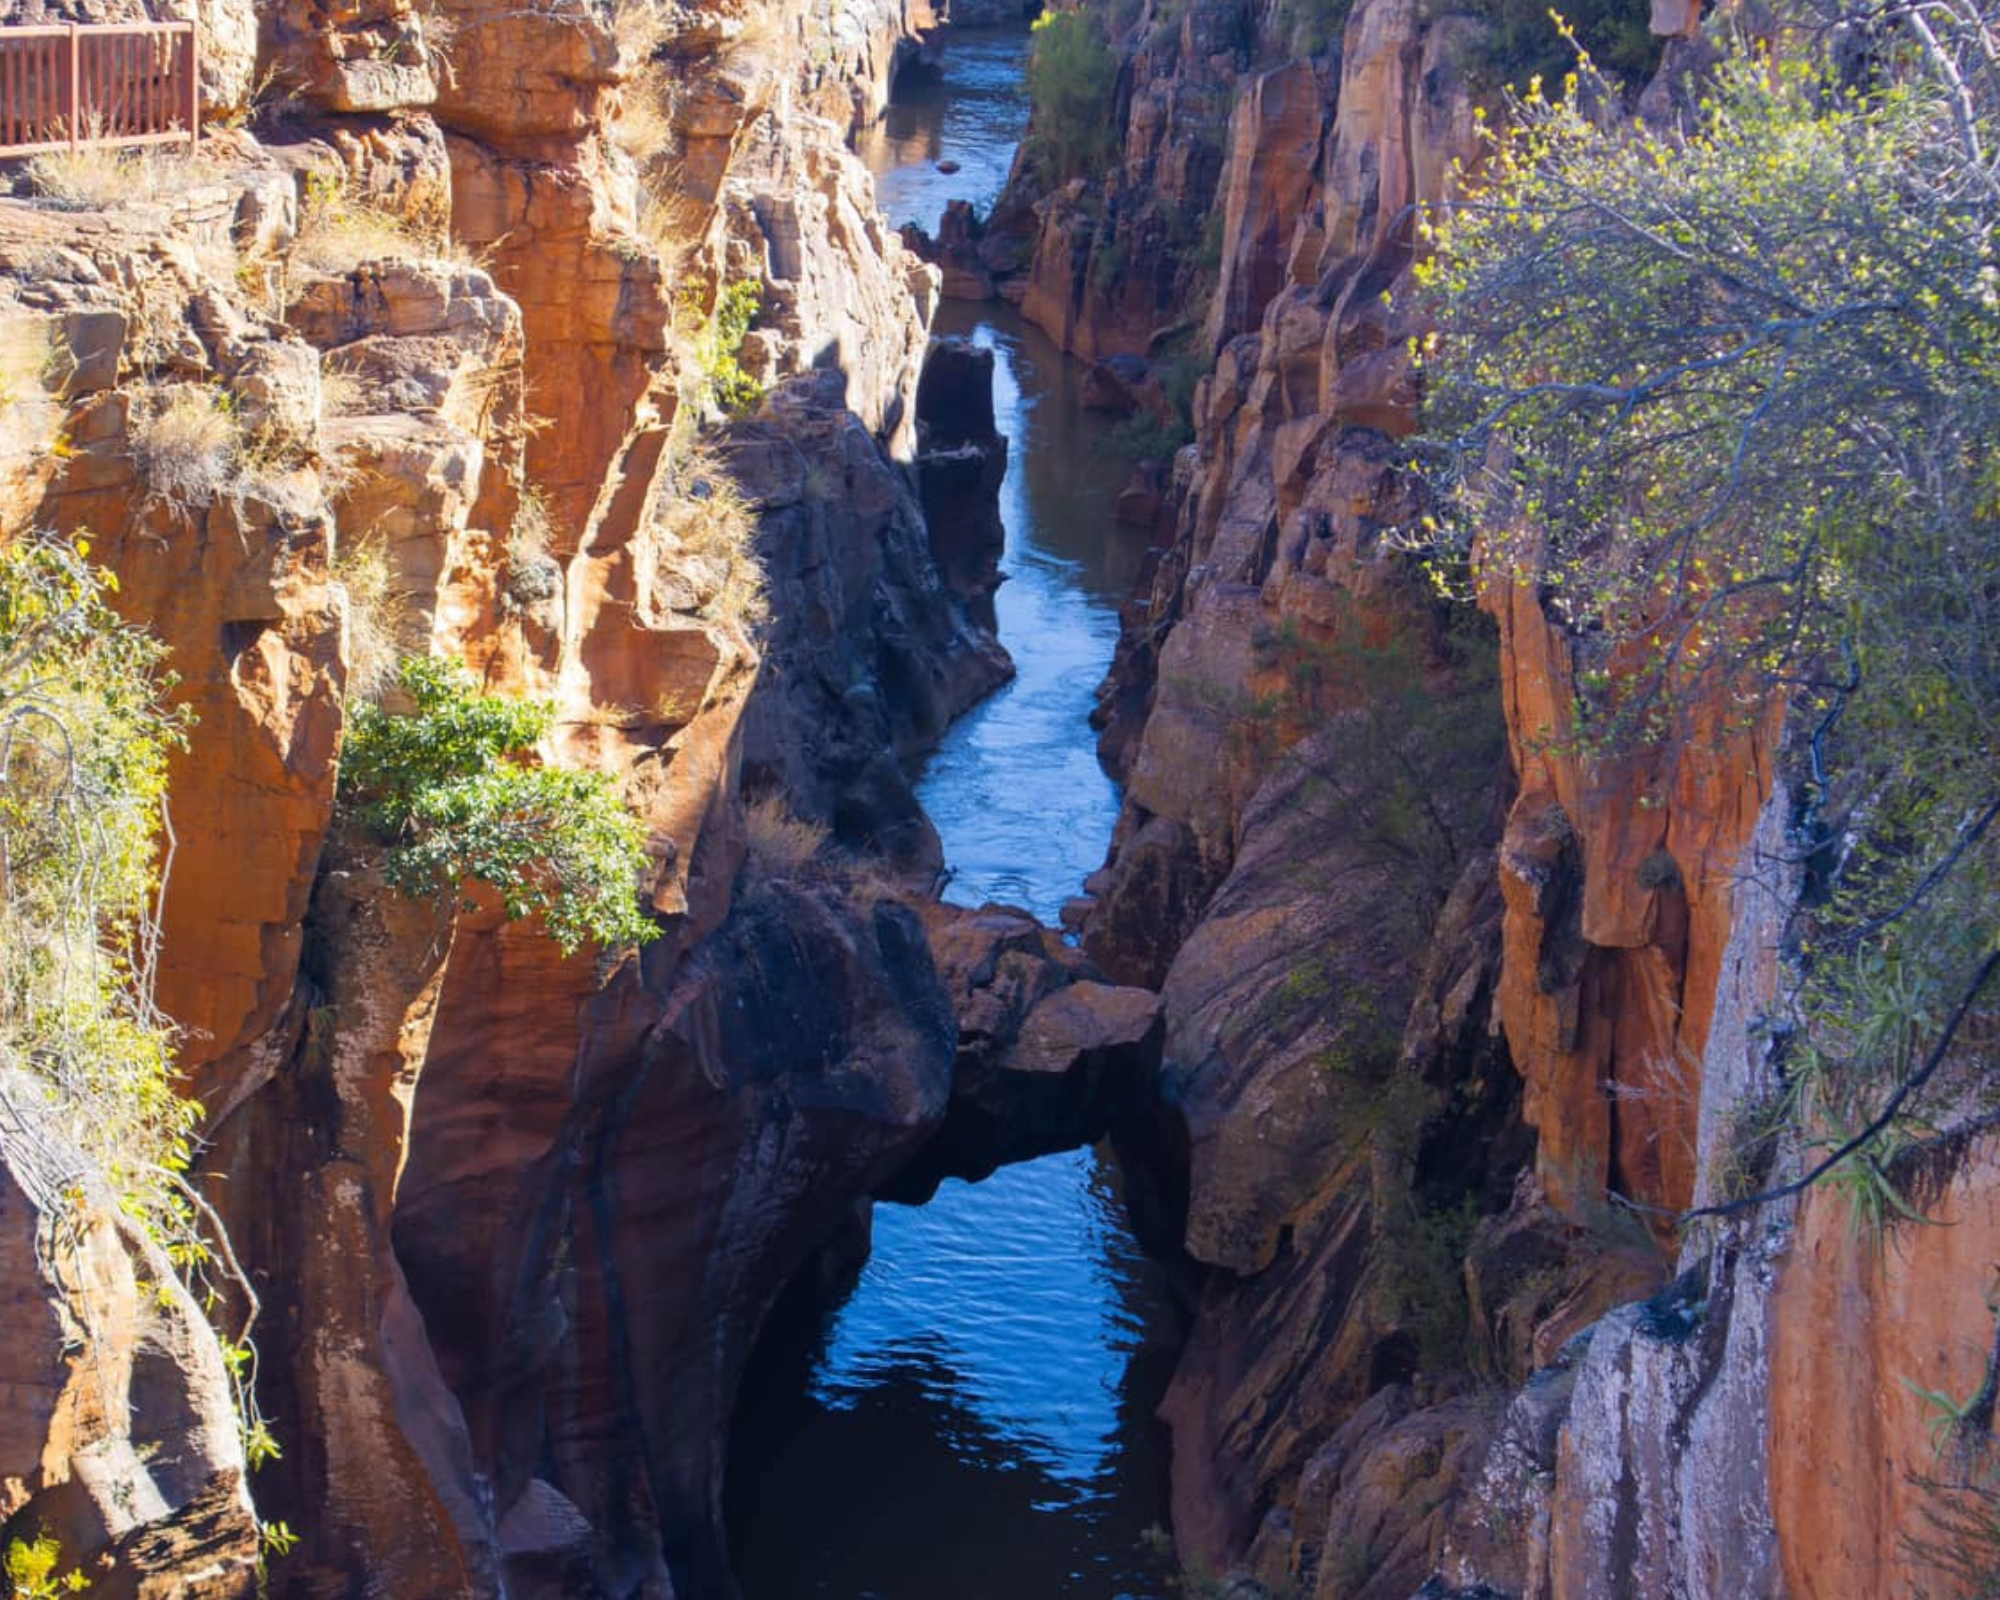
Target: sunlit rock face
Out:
[1605,963]
[428,1125]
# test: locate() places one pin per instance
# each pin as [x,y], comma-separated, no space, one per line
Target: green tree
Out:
[736,307]
[1072,75]
[450,790]
[1724,392]
[1530,39]
[86,727]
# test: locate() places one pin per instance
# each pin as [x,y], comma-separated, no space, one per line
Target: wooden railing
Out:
[69,86]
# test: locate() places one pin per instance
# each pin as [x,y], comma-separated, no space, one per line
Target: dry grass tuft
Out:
[342,393]
[379,619]
[641,27]
[97,177]
[711,528]
[340,231]
[534,577]
[644,127]
[533,535]
[781,845]
[187,441]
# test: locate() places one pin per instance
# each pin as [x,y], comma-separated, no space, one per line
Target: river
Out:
[975,1421]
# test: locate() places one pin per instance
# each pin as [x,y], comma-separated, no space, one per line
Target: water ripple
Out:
[977,1421]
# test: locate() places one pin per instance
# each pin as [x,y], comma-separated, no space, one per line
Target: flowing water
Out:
[969,109]
[975,1422]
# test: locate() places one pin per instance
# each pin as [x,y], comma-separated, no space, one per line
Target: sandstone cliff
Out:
[1427,1111]
[1411,999]
[448,345]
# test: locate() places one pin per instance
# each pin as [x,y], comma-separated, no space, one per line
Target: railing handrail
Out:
[124,97]
[62,30]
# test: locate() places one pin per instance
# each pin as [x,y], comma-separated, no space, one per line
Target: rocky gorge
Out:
[1412,1021]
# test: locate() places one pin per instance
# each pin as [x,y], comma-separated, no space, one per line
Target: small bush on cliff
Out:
[718,347]
[1723,400]
[187,441]
[1071,78]
[341,228]
[1410,778]
[86,726]
[781,844]
[34,1570]
[1529,39]
[448,788]
[1314,27]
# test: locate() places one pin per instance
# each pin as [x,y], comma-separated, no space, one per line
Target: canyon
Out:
[1411,1020]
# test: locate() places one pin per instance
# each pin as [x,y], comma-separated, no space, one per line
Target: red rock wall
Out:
[1620,876]
[1868,1326]
[480,1185]
[1752,1431]
[1619,922]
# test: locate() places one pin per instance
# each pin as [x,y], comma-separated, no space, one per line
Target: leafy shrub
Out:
[1725,396]
[1527,41]
[447,788]
[1071,76]
[1315,27]
[721,348]
[85,731]
[86,728]
[1144,437]
[31,1566]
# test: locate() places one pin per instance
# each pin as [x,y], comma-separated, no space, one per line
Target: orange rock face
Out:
[419,1117]
[1619,872]
[1876,1337]
[234,583]
[1274,140]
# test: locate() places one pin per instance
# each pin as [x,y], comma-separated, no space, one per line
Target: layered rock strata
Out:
[1425,1140]
[456,1162]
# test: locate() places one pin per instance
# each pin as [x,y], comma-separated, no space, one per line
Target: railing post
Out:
[194,84]
[75,88]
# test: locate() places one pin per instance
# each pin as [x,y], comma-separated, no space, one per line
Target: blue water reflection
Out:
[975,1422]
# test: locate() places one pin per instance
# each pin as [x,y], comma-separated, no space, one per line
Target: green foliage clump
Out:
[86,727]
[32,1567]
[448,789]
[1072,74]
[1725,395]
[1142,436]
[1415,766]
[731,388]
[1315,27]
[1149,435]
[1419,1260]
